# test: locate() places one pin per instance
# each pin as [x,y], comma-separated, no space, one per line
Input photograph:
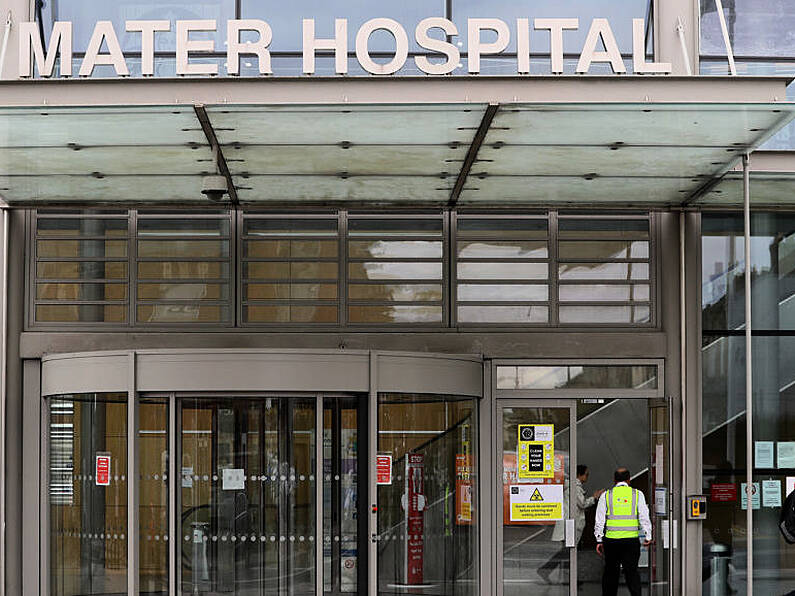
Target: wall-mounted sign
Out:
[102,469]
[755,496]
[435,35]
[723,492]
[536,451]
[536,502]
[415,518]
[463,489]
[383,468]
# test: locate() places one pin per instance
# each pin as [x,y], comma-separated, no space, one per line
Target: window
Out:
[502,269]
[80,273]
[604,270]
[395,269]
[290,269]
[229,268]
[184,268]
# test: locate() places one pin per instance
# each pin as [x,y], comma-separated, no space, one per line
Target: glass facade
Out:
[441,269]
[724,440]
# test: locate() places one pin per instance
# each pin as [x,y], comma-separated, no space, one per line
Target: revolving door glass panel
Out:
[247,496]
[427,517]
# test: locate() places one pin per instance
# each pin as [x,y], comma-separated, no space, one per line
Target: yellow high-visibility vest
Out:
[621,519]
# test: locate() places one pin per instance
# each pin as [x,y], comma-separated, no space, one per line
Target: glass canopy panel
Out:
[355,160]
[155,159]
[99,126]
[333,125]
[576,190]
[765,189]
[606,161]
[109,189]
[411,189]
[644,124]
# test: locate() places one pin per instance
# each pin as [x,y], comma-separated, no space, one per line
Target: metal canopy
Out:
[421,153]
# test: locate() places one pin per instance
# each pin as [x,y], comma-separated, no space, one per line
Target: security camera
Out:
[215,187]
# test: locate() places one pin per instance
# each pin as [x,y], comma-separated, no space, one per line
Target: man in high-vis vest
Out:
[622,517]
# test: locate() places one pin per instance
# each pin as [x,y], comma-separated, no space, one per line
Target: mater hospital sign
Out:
[432,34]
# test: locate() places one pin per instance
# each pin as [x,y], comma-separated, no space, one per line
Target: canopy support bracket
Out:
[472,153]
[218,155]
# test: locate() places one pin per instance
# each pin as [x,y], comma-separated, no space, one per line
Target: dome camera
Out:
[214,187]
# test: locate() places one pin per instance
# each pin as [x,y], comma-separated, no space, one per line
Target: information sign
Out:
[755,500]
[723,492]
[536,449]
[383,466]
[102,472]
[536,502]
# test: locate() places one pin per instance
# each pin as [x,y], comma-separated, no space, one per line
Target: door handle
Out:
[570,542]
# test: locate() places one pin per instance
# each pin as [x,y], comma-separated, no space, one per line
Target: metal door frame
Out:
[500,404]
[175,426]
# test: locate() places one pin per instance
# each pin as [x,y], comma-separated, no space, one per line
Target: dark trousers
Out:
[621,552]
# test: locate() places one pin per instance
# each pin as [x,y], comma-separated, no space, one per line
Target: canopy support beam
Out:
[472,153]
[220,160]
[749,401]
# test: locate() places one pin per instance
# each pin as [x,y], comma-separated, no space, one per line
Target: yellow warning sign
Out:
[543,502]
[536,451]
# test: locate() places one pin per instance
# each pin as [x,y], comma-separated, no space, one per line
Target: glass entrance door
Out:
[344,468]
[534,459]
[249,495]
[546,512]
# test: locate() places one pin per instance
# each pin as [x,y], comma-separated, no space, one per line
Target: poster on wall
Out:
[383,467]
[102,471]
[463,489]
[755,500]
[536,502]
[415,517]
[536,451]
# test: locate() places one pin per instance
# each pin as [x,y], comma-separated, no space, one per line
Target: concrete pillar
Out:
[667,44]
[21,11]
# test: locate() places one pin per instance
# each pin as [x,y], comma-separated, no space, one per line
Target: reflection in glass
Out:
[503,314]
[585,376]
[296,272]
[81,250]
[395,313]
[341,506]
[153,419]
[427,516]
[723,271]
[500,292]
[604,314]
[87,512]
[247,523]
[759,28]
[724,447]
[599,271]
[502,270]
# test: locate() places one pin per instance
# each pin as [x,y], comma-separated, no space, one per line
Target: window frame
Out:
[449,282]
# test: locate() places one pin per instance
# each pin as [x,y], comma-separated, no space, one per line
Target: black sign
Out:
[535,458]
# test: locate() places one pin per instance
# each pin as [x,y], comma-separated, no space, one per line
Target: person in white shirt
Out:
[621,517]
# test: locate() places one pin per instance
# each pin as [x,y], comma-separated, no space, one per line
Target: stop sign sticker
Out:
[103,469]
